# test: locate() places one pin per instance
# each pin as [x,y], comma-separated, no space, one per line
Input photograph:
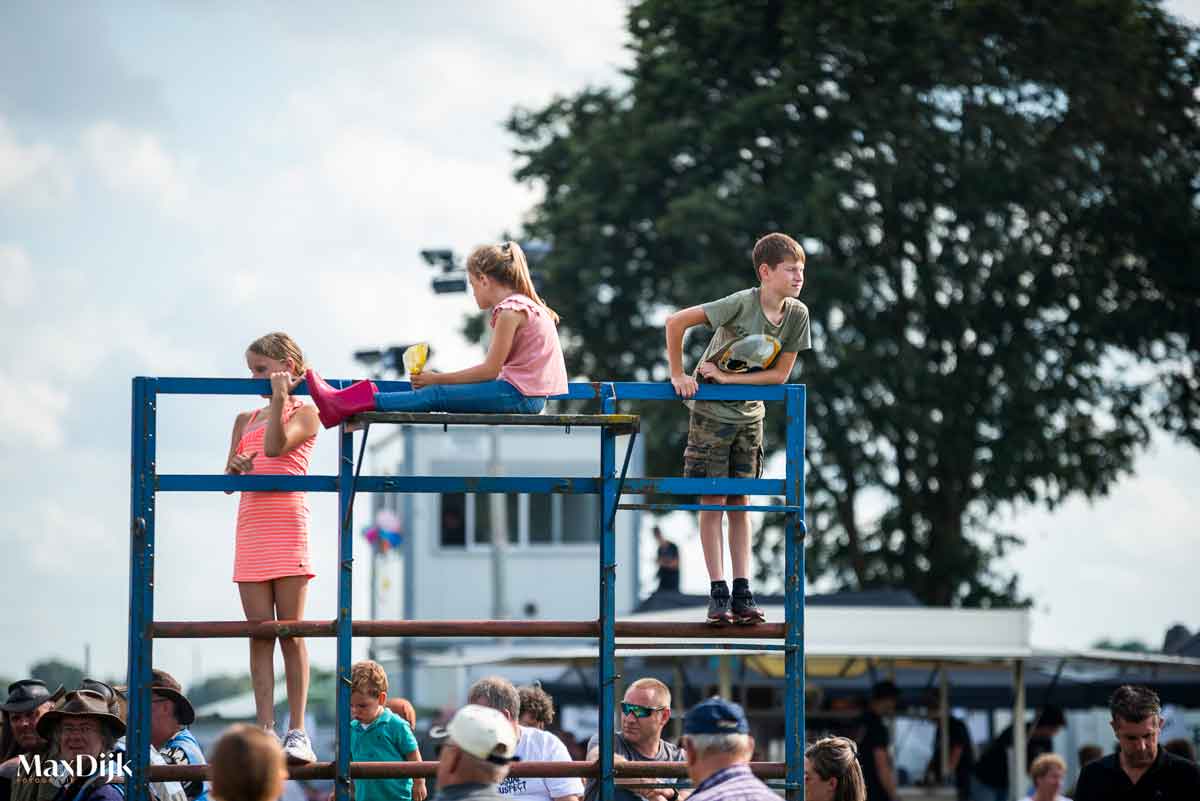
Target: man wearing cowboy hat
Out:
[480,742]
[166,790]
[27,701]
[170,715]
[83,733]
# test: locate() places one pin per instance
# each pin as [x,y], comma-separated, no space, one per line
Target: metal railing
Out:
[146,483]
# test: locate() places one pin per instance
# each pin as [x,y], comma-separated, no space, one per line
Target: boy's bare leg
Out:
[742,606]
[712,539]
[739,537]
[713,542]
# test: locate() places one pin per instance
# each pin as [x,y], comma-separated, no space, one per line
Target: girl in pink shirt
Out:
[271,564]
[524,364]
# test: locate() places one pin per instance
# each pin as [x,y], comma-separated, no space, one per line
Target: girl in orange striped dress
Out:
[271,564]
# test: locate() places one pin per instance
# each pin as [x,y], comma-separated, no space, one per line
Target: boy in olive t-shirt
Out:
[758,333]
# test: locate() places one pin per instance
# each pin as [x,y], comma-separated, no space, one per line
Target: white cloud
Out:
[244,287]
[35,175]
[31,412]
[416,188]
[133,160]
[16,276]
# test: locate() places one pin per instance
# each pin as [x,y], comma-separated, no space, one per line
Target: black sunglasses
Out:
[639,711]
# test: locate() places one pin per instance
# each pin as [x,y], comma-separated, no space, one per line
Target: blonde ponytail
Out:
[507,264]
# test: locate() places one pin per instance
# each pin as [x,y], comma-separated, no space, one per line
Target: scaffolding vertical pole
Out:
[409,543]
[1017,768]
[344,609]
[141,582]
[608,606]
[794,531]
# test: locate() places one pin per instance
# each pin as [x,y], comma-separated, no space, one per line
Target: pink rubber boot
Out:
[335,405]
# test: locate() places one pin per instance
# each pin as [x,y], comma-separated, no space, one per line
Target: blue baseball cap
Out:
[715,716]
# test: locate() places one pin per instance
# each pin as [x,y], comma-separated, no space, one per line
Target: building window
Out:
[533,520]
[580,518]
[483,519]
[541,519]
[454,520]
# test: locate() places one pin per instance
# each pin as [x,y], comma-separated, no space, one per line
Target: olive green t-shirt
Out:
[745,340]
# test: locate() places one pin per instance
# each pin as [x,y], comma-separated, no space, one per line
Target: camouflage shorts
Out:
[723,450]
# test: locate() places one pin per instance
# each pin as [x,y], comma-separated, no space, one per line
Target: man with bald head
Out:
[645,710]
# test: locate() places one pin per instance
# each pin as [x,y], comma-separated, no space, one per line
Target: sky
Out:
[177,179]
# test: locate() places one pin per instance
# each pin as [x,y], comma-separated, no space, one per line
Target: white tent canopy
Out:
[840,633]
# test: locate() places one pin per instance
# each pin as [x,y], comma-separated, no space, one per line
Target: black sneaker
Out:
[745,612]
[718,610]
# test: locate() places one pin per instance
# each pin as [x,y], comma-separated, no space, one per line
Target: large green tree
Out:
[998,199]
[55,672]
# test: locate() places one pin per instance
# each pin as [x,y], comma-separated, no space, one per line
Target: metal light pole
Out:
[379,362]
[451,279]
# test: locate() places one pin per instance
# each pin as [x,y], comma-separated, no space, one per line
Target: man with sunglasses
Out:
[644,712]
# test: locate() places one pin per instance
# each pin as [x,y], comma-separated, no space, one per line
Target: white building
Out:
[446,568]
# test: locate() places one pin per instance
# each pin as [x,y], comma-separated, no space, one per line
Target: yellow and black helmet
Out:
[754,352]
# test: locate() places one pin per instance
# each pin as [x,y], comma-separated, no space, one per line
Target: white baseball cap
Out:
[482,732]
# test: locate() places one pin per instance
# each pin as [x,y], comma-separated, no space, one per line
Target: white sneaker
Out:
[297,748]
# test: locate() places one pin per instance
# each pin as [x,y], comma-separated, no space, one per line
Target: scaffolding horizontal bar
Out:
[182,482]
[271,629]
[617,423]
[704,486]
[637,390]
[414,484]
[624,390]
[706,507]
[704,646]
[528,770]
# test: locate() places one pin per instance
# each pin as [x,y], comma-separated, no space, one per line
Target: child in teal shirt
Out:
[379,735]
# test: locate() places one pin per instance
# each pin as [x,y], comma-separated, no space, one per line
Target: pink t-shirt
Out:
[535,363]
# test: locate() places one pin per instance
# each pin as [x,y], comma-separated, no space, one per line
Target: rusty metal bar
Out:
[546,770]
[272,629]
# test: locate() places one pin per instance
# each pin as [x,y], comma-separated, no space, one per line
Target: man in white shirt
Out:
[533,745]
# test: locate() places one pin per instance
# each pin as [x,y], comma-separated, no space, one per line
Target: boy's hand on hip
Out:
[685,386]
[712,372]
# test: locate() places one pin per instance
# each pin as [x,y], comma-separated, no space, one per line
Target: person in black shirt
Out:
[668,563]
[1140,768]
[962,751]
[991,771]
[878,773]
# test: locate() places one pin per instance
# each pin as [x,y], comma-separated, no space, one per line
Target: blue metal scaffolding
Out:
[146,483]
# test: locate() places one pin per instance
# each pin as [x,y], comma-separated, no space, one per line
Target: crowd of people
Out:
[1137,768]
[57,745]
[70,746]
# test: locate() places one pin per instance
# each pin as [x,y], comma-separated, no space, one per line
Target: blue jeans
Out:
[495,397]
[980,791]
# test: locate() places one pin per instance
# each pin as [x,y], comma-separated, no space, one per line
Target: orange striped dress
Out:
[272,527]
